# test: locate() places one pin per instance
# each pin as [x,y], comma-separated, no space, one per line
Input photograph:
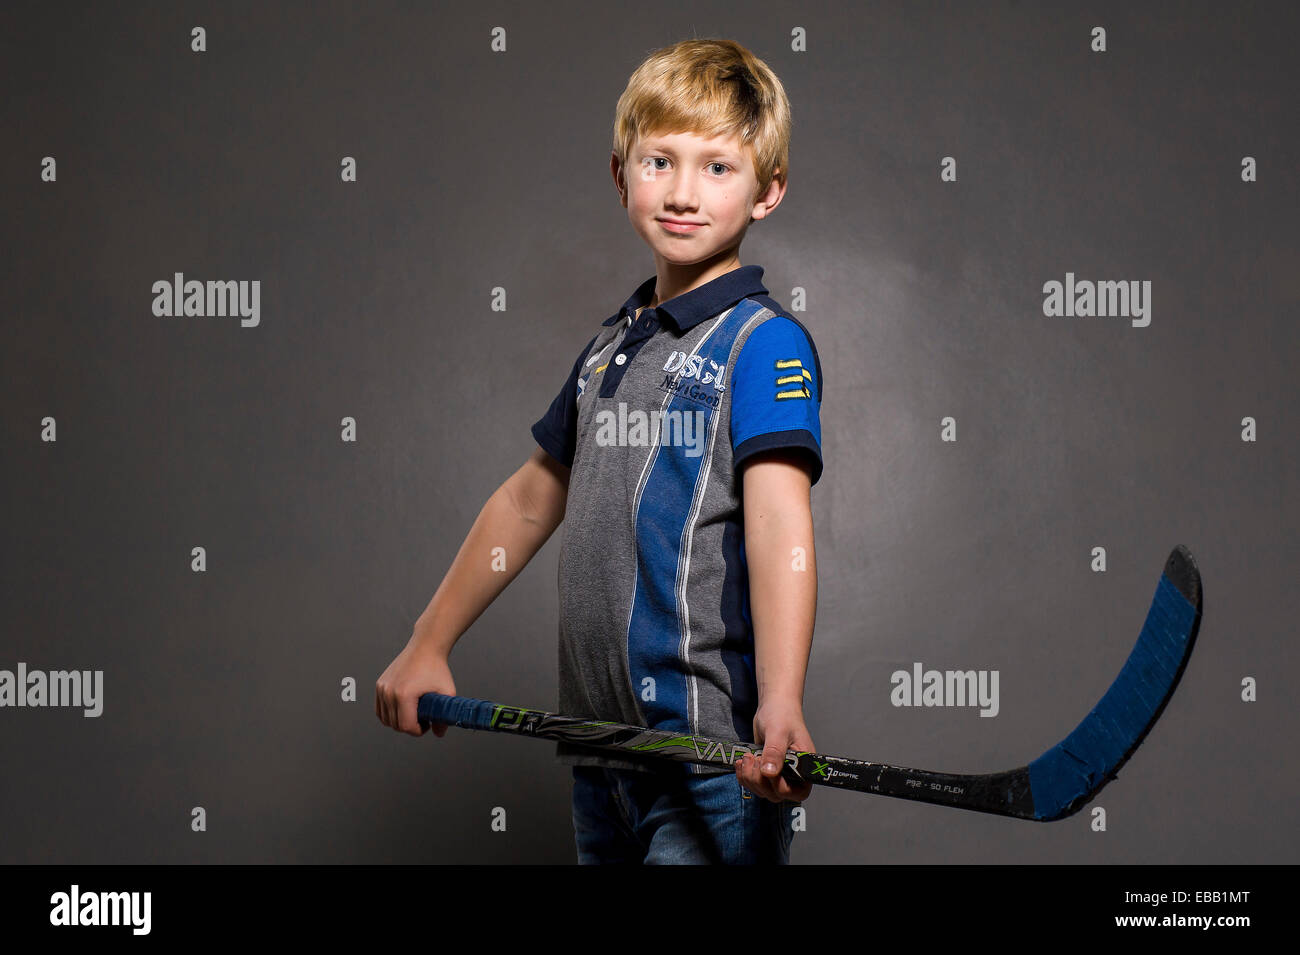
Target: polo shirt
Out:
[658,412]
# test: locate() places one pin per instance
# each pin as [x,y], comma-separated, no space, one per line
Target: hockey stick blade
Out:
[1053,786]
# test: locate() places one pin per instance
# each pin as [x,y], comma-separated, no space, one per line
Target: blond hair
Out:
[710,87]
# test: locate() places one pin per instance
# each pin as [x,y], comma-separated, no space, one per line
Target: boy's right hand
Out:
[414,672]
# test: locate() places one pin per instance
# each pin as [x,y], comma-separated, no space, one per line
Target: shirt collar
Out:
[690,308]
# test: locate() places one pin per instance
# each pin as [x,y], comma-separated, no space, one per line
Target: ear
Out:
[620,180]
[771,198]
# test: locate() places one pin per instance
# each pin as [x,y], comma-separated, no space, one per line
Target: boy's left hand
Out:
[779,727]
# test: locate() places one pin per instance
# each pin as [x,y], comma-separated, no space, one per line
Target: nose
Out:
[681,192]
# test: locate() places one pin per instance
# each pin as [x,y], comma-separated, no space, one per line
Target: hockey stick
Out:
[1053,786]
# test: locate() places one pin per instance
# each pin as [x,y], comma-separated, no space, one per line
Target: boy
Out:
[679,455]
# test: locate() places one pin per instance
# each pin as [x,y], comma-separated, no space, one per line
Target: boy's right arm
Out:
[519,516]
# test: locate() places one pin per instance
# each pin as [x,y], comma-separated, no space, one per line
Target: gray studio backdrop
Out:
[132,439]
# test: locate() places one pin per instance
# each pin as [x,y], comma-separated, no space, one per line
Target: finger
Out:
[794,793]
[408,721]
[773,756]
[771,787]
[777,788]
[745,774]
[759,783]
[740,775]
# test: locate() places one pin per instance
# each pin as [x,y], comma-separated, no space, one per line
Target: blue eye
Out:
[655,160]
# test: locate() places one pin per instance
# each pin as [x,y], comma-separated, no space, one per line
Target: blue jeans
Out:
[666,818]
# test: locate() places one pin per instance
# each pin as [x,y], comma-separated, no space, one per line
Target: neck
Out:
[672,280]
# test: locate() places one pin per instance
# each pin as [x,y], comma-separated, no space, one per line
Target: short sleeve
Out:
[557,430]
[777,393]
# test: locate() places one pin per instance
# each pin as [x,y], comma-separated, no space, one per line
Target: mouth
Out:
[680,225]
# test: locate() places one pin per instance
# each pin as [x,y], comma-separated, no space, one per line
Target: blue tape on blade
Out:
[1089,755]
[460,711]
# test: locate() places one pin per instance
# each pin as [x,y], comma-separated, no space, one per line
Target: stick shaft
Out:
[1001,793]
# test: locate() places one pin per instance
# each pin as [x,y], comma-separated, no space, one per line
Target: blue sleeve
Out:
[777,395]
[557,430]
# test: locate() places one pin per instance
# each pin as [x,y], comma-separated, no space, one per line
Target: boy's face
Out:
[692,198]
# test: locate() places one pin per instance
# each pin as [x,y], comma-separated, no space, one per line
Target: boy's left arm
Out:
[783,605]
